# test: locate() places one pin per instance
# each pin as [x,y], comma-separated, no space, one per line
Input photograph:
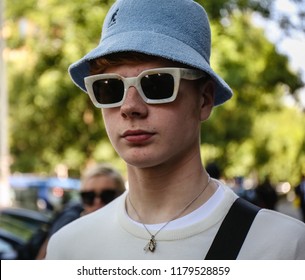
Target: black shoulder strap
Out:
[233,231]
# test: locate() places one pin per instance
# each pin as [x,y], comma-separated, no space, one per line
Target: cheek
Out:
[109,121]
[178,126]
[189,100]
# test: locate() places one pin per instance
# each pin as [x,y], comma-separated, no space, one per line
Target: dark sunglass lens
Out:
[87,198]
[108,195]
[108,91]
[158,86]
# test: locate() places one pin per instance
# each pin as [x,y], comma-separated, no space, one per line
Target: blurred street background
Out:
[287,207]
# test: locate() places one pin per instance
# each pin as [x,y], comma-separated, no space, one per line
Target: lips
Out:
[137,136]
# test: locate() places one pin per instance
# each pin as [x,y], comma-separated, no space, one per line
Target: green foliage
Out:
[219,9]
[52,121]
[259,77]
[278,142]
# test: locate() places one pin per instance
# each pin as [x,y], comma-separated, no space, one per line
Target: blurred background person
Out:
[213,169]
[300,193]
[100,185]
[266,195]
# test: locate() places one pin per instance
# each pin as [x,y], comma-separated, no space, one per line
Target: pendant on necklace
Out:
[151,245]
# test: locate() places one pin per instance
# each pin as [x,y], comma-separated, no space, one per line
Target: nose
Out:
[98,202]
[134,106]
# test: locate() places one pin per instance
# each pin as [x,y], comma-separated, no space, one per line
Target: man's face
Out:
[97,184]
[147,135]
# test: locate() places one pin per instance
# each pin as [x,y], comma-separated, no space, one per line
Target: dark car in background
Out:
[10,245]
[35,200]
[21,232]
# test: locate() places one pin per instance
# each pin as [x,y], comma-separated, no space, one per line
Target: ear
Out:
[207,99]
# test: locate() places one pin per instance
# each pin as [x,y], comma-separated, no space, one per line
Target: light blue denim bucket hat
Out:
[177,30]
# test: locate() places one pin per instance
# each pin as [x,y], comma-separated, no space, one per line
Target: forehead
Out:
[99,65]
[135,69]
[133,57]
[98,182]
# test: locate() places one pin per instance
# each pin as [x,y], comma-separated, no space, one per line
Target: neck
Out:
[166,191]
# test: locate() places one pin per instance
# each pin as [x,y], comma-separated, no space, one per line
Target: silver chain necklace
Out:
[152,243]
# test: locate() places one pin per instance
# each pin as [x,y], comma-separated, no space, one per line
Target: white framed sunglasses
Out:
[155,86]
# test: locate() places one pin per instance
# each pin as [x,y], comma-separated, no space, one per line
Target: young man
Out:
[151,76]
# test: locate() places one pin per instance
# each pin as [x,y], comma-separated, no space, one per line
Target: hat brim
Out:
[152,44]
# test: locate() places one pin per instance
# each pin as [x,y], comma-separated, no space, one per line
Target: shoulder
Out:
[274,236]
[69,214]
[278,229]
[269,218]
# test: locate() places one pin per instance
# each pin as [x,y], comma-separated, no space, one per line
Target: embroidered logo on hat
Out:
[113,18]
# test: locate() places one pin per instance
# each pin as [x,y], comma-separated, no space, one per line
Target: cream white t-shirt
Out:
[109,234]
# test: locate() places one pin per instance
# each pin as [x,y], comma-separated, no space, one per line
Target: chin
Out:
[145,163]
